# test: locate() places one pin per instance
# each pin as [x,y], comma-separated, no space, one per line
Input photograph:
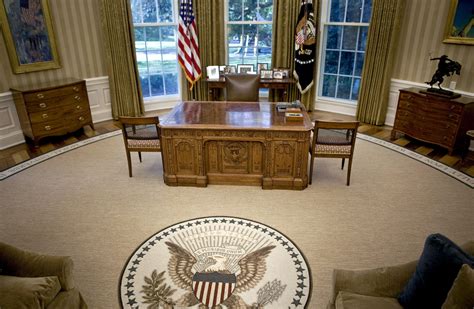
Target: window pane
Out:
[171,83]
[344,87]
[329,85]
[347,63]
[334,37]
[152,35]
[359,64]
[136,12]
[250,10]
[349,38]
[235,56]
[338,8]
[355,89]
[354,11]
[156,83]
[154,62]
[265,10]
[265,44]
[149,11]
[332,62]
[140,38]
[165,8]
[145,85]
[250,44]
[235,10]
[362,39]
[367,11]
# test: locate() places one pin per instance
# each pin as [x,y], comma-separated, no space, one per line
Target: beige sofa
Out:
[374,288]
[30,280]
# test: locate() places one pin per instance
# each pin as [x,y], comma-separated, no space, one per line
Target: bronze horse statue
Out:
[446,67]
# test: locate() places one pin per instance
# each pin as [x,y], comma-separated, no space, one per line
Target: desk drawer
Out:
[52,93]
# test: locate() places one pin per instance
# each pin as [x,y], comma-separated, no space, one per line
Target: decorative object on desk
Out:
[266,74]
[244,262]
[245,69]
[290,116]
[305,46]
[222,69]
[446,67]
[29,37]
[277,74]
[261,66]
[460,23]
[213,72]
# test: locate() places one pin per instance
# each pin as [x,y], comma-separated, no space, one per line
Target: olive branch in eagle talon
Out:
[156,292]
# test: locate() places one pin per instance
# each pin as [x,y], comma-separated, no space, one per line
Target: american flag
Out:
[188,46]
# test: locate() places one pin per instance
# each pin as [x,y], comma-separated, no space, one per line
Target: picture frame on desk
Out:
[261,66]
[29,37]
[230,69]
[458,26]
[266,74]
[277,74]
[212,72]
[285,73]
[245,69]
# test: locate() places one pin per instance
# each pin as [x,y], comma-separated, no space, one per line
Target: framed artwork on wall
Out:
[28,32]
[460,23]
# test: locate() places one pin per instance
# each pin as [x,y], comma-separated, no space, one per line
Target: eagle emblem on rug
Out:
[216,278]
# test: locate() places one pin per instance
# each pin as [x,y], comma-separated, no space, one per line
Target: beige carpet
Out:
[83,204]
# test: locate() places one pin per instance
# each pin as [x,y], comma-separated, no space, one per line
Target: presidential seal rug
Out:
[216,262]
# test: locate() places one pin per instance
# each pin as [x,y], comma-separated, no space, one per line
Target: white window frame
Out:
[165,101]
[342,106]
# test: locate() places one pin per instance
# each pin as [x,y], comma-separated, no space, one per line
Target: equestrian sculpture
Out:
[446,67]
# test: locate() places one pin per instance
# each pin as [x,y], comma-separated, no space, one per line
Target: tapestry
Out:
[305,46]
[216,262]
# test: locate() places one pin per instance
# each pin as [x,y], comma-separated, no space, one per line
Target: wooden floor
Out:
[20,153]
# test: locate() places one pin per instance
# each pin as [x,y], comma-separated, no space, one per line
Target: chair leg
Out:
[129,160]
[342,166]
[140,156]
[349,171]
[311,170]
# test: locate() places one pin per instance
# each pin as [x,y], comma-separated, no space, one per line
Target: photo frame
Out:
[277,74]
[245,69]
[230,69]
[29,37]
[459,18]
[212,72]
[285,73]
[266,74]
[261,66]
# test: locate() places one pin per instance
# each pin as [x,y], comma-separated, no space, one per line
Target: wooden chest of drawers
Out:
[434,119]
[52,109]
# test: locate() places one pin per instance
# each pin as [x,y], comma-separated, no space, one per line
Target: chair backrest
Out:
[140,128]
[336,133]
[242,87]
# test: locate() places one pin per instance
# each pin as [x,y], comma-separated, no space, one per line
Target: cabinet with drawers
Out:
[52,109]
[434,119]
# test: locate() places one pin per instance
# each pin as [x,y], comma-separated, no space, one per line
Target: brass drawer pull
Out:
[81,118]
[77,97]
[42,105]
[78,107]
[47,128]
[76,89]
[44,116]
[40,95]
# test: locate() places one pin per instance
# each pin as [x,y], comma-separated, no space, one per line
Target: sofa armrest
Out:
[383,281]
[17,262]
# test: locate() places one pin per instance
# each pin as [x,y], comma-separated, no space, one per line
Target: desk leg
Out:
[285,93]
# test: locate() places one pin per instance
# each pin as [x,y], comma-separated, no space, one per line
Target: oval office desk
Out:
[281,85]
[241,143]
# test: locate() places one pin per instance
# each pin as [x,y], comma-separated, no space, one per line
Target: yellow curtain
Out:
[283,46]
[125,90]
[379,57]
[209,16]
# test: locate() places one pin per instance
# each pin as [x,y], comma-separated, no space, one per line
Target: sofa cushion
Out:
[347,300]
[461,294]
[27,292]
[435,272]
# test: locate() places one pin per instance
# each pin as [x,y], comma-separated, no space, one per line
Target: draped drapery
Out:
[124,81]
[283,46]
[209,16]
[379,57]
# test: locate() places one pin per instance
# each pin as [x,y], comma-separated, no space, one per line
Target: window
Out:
[249,32]
[344,39]
[155,23]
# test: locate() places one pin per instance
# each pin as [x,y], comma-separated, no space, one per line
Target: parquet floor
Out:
[20,153]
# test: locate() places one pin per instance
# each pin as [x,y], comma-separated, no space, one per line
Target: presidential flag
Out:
[188,46]
[305,46]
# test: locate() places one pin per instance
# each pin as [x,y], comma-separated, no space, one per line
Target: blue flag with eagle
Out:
[305,46]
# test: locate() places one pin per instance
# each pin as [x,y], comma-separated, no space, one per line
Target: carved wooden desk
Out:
[279,84]
[234,143]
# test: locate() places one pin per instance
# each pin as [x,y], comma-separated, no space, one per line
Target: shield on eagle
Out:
[213,288]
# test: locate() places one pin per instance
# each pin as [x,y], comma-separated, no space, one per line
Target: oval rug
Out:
[216,262]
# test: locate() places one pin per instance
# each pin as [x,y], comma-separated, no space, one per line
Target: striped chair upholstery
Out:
[140,134]
[333,140]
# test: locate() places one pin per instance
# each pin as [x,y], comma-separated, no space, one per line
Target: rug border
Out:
[216,216]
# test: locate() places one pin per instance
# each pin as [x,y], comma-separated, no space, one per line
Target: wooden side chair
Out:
[242,87]
[333,140]
[140,134]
